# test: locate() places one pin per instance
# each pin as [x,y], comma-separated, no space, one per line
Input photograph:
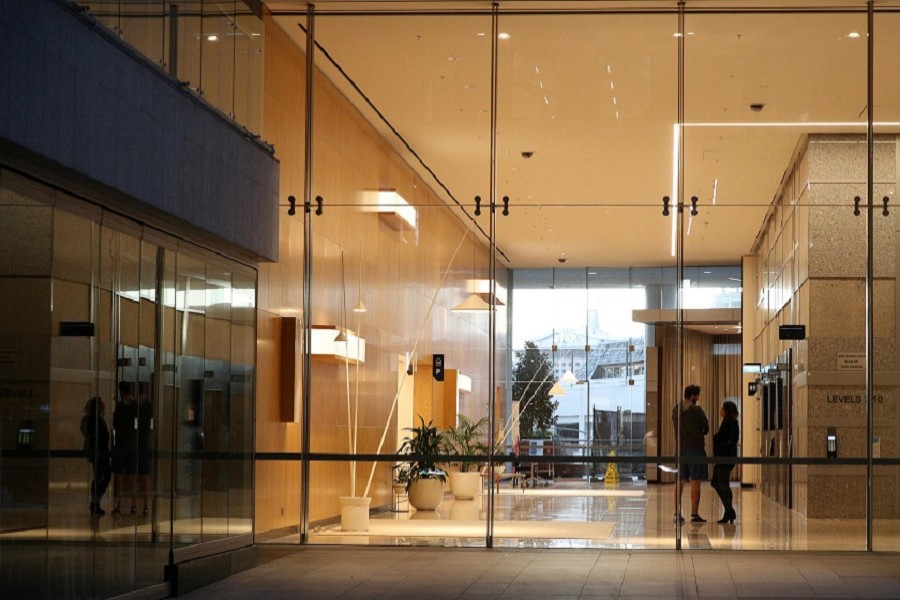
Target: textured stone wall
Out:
[821,262]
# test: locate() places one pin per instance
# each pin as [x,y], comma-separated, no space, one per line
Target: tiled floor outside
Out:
[426,573]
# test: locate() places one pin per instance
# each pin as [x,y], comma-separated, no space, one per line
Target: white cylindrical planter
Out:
[426,494]
[465,486]
[354,513]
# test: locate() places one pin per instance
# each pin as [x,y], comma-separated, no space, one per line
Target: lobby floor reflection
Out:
[575,514]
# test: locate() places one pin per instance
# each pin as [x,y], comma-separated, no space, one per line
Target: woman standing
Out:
[725,443]
[96,449]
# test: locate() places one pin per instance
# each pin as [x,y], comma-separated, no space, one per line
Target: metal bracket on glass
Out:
[666,201]
[506,205]
[885,210]
[292,209]
[694,201]
[477,206]
[856,201]
[307,205]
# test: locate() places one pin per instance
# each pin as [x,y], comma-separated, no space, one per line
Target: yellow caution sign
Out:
[612,471]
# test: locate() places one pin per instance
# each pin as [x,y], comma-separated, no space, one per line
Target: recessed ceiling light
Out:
[609,69]
[480,34]
[707,272]
[592,272]
[612,85]
[541,84]
[452,58]
[469,86]
[546,100]
[212,38]
[503,36]
[676,34]
[614,100]
[853,34]
[617,114]
[536,70]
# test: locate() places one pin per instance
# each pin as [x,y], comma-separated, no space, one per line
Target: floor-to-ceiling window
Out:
[885,419]
[719,147]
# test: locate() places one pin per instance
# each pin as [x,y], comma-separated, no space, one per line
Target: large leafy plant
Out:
[466,439]
[423,442]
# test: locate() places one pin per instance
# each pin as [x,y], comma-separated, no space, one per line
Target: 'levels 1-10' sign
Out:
[851,399]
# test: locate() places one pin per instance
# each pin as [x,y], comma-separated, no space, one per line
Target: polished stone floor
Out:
[413,573]
[570,513]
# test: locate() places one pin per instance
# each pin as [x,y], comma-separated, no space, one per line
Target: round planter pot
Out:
[426,494]
[354,513]
[465,486]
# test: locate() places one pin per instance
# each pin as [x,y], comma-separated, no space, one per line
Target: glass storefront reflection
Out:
[115,338]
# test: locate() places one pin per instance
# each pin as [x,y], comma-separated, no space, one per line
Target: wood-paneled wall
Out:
[396,273]
[719,377]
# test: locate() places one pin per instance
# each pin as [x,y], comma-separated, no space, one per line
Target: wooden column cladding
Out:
[289,377]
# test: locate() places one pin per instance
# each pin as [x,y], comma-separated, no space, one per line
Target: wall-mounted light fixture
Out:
[395,211]
[335,343]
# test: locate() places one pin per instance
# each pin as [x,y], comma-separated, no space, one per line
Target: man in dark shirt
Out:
[694,426]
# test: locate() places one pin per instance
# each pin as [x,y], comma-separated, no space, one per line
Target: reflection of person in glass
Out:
[725,444]
[694,427]
[144,443]
[124,451]
[96,450]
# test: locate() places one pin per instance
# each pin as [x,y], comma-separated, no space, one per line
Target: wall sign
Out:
[851,361]
[851,399]
[437,367]
[792,332]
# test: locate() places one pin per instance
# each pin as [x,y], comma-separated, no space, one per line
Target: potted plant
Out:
[426,481]
[466,439]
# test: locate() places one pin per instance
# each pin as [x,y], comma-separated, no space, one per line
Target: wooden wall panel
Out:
[397,273]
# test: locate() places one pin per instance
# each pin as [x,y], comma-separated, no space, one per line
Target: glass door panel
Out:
[886,420]
[774,153]
[397,252]
[190,330]
[587,106]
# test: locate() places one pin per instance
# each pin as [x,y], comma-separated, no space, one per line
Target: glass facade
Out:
[514,238]
[127,397]
[671,206]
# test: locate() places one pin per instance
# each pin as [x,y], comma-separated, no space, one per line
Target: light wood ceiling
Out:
[595,98]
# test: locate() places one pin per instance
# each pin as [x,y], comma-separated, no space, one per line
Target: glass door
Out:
[885,509]
[774,154]
[586,109]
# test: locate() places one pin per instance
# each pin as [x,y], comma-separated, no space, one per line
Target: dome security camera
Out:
[562,260]
[527,154]
[757,106]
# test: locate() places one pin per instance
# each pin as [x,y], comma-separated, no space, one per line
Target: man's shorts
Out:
[694,471]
